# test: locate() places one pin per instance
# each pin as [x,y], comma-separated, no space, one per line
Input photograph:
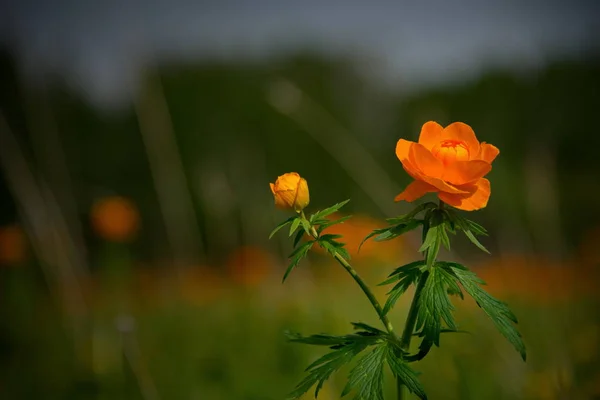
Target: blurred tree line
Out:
[198,145]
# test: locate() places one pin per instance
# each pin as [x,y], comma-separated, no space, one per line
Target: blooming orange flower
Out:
[290,192]
[448,161]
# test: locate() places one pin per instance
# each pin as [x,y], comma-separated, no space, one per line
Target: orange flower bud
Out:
[290,192]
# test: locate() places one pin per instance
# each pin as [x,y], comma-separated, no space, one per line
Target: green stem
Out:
[413,312]
[409,328]
[367,291]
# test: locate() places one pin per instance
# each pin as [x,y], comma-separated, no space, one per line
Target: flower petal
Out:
[488,152]
[476,199]
[464,172]
[402,152]
[442,186]
[435,182]
[415,190]
[431,134]
[288,181]
[464,133]
[425,162]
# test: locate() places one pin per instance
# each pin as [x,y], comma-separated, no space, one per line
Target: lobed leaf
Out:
[282,224]
[404,372]
[366,378]
[399,272]
[435,307]
[334,247]
[367,328]
[295,225]
[327,223]
[409,277]
[328,211]
[469,228]
[497,310]
[298,237]
[320,370]
[296,256]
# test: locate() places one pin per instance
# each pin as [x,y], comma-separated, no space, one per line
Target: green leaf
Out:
[328,211]
[296,256]
[444,239]
[298,237]
[295,225]
[398,230]
[404,372]
[320,370]
[399,272]
[469,228]
[366,336]
[281,225]
[403,218]
[435,307]
[474,240]
[329,243]
[476,228]
[433,230]
[305,226]
[392,232]
[497,310]
[399,225]
[409,277]
[327,223]
[367,328]
[366,378]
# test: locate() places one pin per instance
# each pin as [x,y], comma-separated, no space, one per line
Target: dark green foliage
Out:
[435,307]
[497,310]
[406,275]
[399,225]
[281,225]
[329,243]
[366,378]
[297,255]
[345,348]
[404,373]
[469,228]
[328,211]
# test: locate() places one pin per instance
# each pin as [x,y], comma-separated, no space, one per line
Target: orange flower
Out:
[115,218]
[448,161]
[290,192]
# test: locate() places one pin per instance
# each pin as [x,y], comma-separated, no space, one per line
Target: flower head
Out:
[448,161]
[290,192]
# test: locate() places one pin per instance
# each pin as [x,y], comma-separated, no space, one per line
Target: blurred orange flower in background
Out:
[249,266]
[355,229]
[13,245]
[115,219]
[536,279]
[290,191]
[200,285]
[450,162]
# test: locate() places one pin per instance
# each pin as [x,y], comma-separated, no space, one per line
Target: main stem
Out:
[411,319]
[409,328]
[367,291]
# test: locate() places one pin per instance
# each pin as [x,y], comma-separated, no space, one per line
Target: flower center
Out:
[449,151]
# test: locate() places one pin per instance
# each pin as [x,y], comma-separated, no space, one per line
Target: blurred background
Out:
[137,142]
